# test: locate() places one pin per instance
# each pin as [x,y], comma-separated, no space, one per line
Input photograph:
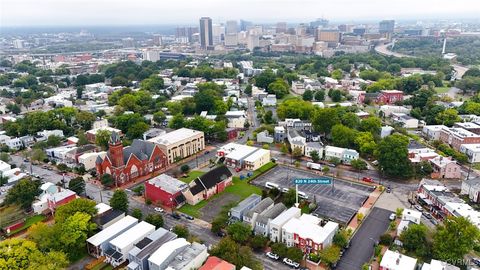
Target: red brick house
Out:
[383,97]
[141,158]
[166,191]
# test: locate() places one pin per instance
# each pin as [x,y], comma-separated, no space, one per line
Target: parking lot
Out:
[339,201]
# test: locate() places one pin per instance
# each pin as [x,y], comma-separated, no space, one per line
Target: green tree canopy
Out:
[119,200]
[23,193]
[392,155]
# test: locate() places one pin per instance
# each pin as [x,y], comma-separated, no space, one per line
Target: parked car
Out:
[434,221]
[331,165]
[392,216]
[476,261]
[389,190]
[272,255]
[187,217]
[427,215]
[412,202]
[285,190]
[175,215]
[291,263]
[367,179]
[418,207]
[159,209]
[221,234]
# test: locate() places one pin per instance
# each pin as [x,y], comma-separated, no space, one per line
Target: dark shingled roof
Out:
[108,216]
[139,148]
[210,179]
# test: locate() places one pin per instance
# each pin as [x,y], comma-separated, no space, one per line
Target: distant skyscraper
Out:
[281,27]
[128,42]
[231,27]
[157,40]
[319,23]
[244,25]
[386,26]
[206,35]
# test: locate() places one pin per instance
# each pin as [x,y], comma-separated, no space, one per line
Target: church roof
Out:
[139,148]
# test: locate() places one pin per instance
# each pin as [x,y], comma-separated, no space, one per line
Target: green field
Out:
[191,176]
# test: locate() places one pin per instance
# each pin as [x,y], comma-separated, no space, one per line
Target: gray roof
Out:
[271,213]
[246,202]
[186,256]
[148,250]
[260,207]
[139,148]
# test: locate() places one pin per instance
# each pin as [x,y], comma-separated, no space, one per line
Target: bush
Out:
[360,217]
[386,239]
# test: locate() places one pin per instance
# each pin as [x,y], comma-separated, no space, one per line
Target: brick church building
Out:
[126,164]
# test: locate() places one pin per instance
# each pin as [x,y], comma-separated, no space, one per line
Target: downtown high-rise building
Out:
[206,33]
[231,27]
[386,26]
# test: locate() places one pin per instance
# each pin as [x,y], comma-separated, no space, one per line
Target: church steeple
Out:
[115,150]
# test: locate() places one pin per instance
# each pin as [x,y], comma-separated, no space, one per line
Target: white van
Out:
[302,195]
[271,185]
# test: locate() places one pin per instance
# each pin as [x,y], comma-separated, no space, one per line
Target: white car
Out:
[285,190]
[392,216]
[158,209]
[291,263]
[272,255]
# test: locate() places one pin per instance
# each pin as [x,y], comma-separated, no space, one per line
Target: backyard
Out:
[28,222]
[240,188]
[191,176]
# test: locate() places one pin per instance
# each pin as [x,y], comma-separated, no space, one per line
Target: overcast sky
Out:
[138,12]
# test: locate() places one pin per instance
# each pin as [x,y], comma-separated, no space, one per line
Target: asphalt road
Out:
[362,244]
[47,175]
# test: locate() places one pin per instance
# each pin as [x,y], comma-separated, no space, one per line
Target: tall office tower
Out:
[157,40]
[206,35]
[386,26]
[244,25]
[231,27]
[281,27]
[180,32]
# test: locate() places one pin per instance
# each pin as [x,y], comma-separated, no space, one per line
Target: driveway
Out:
[361,247]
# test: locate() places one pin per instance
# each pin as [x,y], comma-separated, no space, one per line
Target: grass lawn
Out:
[29,222]
[241,188]
[442,90]
[191,175]
[287,97]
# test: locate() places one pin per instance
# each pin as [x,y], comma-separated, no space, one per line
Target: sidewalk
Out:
[365,209]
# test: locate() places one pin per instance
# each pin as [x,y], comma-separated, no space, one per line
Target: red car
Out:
[238,169]
[367,179]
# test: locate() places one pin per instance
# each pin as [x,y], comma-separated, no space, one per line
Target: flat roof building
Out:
[180,143]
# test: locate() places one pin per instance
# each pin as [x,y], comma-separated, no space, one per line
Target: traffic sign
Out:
[312,181]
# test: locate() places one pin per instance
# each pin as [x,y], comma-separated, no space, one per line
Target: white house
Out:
[438,265]
[313,146]
[88,159]
[264,137]
[409,216]
[236,119]
[393,260]
[14,143]
[269,101]
[405,120]
[432,132]
[277,223]
[472,151]
[333,152]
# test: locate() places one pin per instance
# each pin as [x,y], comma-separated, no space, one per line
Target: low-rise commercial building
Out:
[180,143]
[243,156]
[455,137]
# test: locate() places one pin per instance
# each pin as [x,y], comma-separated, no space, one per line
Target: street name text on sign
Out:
[312,181]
